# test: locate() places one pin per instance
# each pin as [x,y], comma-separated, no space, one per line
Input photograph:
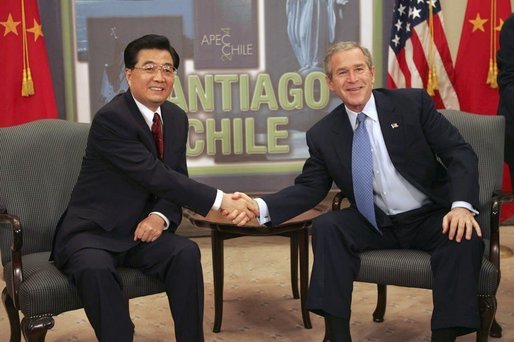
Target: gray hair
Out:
[344,46]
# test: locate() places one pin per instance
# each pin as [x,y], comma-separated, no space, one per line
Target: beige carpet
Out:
[259,306]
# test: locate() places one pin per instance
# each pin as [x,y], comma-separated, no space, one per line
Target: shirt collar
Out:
[147,113]
[370,109]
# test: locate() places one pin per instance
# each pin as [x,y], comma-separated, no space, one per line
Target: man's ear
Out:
[128,75]
[330,83]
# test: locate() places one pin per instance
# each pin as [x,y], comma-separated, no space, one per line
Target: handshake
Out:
[239,208]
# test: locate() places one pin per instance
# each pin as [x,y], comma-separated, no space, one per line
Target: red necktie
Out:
[157,135]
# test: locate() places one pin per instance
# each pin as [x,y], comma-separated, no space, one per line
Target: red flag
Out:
[26,87]
[419,56]
[475,68]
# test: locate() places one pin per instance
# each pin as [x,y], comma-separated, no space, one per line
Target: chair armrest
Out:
[17,242]
[499,198]
[504,196]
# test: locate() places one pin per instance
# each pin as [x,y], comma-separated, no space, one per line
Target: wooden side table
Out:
[297,231]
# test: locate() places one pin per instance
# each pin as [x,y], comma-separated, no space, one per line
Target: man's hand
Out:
[239,208]
[149,229]
[460,222]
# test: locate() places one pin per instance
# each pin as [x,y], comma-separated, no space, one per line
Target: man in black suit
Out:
[506,84]
[423,189]
[127,202]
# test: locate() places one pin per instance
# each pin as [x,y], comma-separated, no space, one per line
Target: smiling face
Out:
[351,78]
[150,88]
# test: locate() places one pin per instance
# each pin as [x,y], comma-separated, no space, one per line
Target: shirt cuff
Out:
[217,202]
[166,221]
[462,204]
[263,211]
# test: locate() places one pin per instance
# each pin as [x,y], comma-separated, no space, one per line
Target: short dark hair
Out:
[149,41]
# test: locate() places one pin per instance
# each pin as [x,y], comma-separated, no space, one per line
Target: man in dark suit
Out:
[422,194]
[127,202]
[506,84]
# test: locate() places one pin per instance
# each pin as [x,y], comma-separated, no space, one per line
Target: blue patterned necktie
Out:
[362,171]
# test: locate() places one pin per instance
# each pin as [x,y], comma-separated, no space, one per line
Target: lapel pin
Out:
[394,125]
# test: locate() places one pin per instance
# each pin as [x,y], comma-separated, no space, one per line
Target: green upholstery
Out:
[39,165]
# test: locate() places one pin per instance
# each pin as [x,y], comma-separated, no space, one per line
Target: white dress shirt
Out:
[391,191]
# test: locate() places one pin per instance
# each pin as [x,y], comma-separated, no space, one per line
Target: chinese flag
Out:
[475,67]
[26,86]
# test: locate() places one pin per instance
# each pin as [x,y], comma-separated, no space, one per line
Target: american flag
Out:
[419,56]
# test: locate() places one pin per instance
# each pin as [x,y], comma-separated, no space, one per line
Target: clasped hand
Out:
[239,208]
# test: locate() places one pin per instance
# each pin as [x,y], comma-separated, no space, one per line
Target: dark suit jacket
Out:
[122,180]
[506,85]
[416,136]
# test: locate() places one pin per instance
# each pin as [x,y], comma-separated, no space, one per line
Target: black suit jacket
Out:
[419,141]
[506,85]
[122,180]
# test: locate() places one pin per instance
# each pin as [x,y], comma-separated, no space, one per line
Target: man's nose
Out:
[159,74]
[352,76]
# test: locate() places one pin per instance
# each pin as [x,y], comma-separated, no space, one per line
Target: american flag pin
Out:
[394,125]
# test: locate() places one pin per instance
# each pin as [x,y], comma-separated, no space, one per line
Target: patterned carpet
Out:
[259,306]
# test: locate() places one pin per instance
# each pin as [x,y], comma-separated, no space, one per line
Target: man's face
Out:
[352,79]
[151,88]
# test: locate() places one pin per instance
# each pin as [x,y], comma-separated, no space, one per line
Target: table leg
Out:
[304,274]
[218,275]
[294,265]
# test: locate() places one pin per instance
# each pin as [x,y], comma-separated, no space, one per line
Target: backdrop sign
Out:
[250,79]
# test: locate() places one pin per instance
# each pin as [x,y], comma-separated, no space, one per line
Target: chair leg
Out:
[14,317]
[487,305]
[218,274]
[303,241]
[378,314]
[294,265]
[496,329]
[35,328]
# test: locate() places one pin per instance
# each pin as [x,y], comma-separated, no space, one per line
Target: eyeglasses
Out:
[151,68]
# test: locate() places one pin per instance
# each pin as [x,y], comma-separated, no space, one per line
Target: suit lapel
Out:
[146,136]
[392,126]
[342,137]
[169,133]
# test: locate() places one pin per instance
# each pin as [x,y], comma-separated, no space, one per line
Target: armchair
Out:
[39,165]
[411,268]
